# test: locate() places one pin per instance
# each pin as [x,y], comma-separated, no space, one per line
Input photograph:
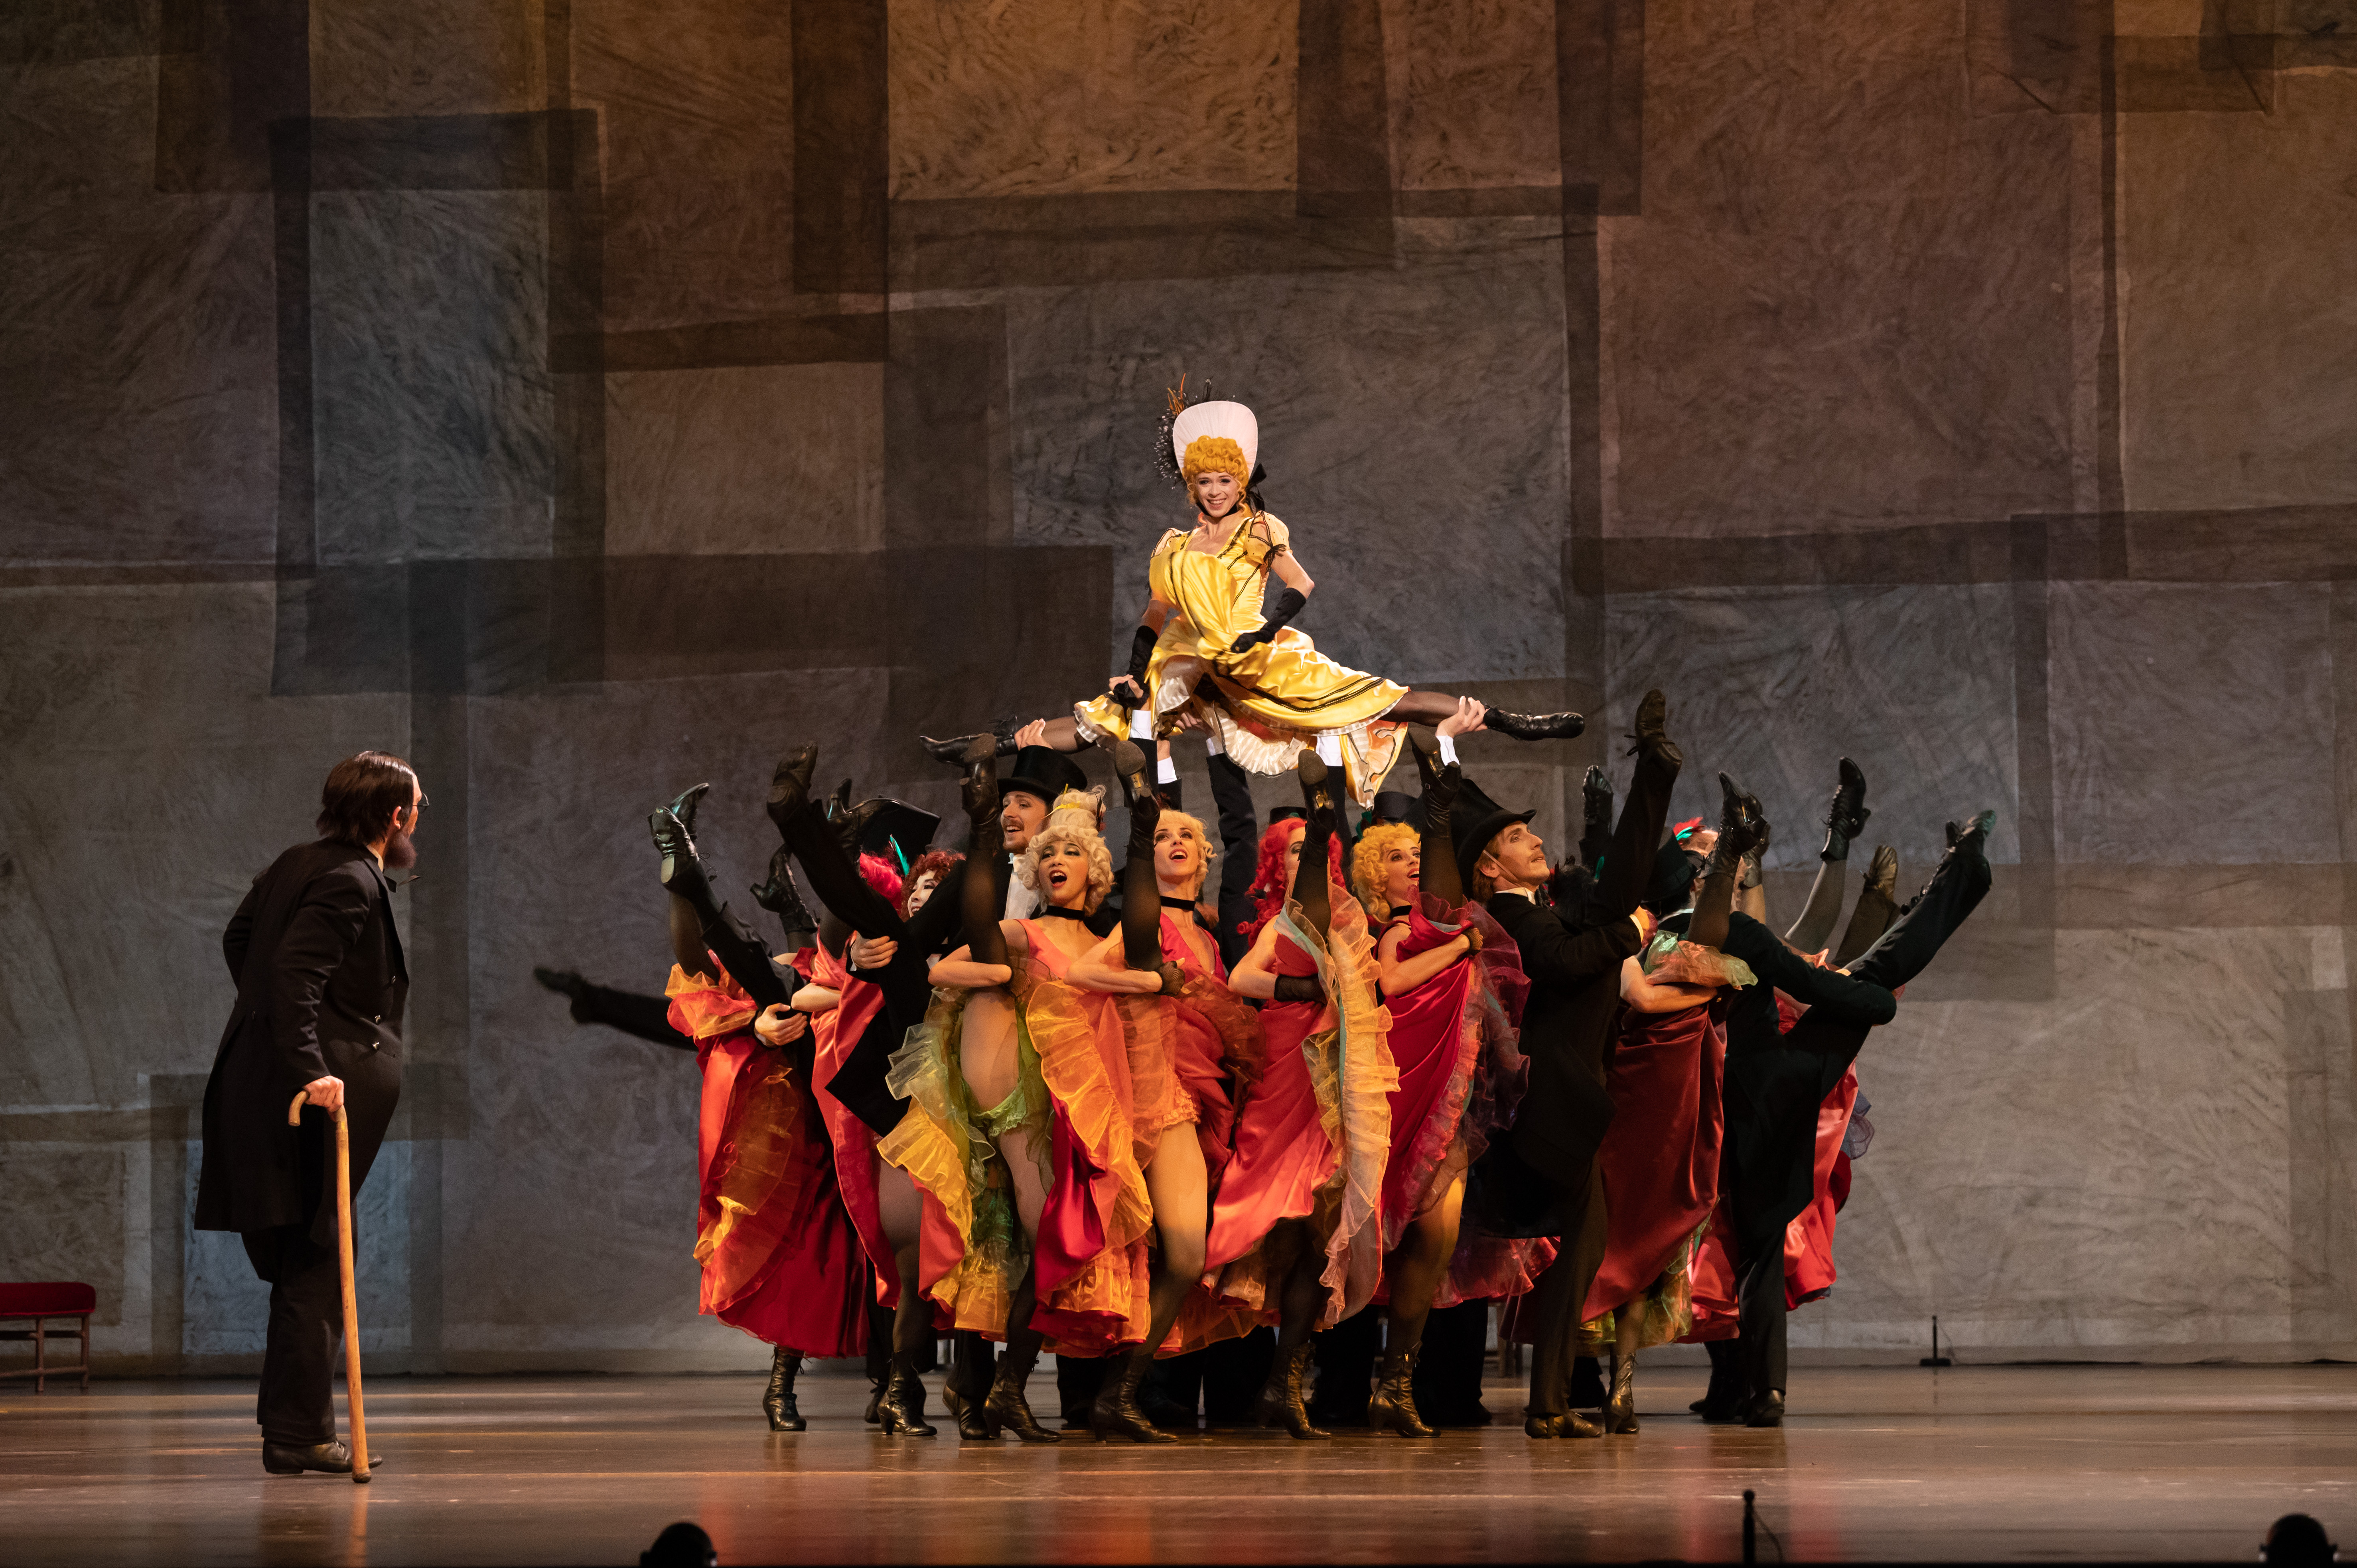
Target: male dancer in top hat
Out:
[1541,1178]
[320,985]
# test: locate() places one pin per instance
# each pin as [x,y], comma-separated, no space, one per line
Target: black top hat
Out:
[1284,814]
[1674,868]
[1391,806]
[898,832]
[1043,771]
[1473,821]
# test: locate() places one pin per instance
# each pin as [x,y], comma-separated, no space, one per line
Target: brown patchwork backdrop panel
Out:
[592,400]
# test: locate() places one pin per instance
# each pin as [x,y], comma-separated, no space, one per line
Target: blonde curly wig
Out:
[1215,453]
[1194,828]
[1073,821]
[1367,876]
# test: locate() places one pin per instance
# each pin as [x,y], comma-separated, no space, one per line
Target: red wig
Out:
[880,875]
[941,865]
[1273,878]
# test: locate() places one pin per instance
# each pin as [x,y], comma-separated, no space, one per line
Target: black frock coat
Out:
[320,986]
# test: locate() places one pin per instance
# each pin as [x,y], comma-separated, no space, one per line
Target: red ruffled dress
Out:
[1454,1044]
[781,1259]
[835,1034]
[1313,1136]
[1660,1162]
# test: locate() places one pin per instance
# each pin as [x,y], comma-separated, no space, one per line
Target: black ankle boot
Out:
[780,898]
[1743,829]
[1846,817]
[1394,1403]
[789,785]
[1311,770]
[682,872]
[1115,1414]
[874,1414]
[901,1411]
[1281,1400]
[1006,1410]
[1767,1409]
[1535,726]
[1621,1410]
[785,1414]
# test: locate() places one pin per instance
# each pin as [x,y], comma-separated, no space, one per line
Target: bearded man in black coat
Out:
[320,986]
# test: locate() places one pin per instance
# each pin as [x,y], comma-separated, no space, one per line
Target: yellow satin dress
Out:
[1269,701]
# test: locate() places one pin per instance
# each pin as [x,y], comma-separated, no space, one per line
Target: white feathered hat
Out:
[1233,420]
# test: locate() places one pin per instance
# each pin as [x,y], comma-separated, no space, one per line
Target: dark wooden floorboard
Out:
[2154,1463]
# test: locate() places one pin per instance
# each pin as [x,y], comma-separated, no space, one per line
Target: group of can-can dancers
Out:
[1027,1100]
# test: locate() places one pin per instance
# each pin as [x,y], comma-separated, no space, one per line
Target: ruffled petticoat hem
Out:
[1352,1070]
[1371,748]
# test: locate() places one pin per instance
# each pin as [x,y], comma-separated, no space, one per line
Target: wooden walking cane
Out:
[344,1258]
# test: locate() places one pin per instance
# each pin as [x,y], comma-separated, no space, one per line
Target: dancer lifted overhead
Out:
[1205,656]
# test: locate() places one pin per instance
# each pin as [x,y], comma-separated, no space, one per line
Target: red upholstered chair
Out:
[41,1303]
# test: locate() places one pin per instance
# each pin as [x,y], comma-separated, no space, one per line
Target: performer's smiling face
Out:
[1020,814]
[1518,856]
[1064,874]
[1216,491]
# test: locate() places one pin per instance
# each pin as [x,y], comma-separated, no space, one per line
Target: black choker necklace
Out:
[1170,902]
[1399,909]
[1057,912]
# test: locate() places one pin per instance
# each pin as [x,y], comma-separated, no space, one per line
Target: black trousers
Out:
[1759,1310]
[306,1322]
[1562,1291]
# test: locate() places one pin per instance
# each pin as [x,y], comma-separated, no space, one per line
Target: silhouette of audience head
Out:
[2298,1540]
[680,1545]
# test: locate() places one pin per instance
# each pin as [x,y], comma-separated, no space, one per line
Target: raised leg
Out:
[1431,708]
[1311,879]
[1875,907]
[1629,860]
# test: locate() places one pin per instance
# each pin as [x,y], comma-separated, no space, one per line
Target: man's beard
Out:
[400,852]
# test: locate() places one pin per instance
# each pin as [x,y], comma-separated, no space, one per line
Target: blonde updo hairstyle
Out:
[1367,874]
[1072,820]
[1216,455]
[1194,828]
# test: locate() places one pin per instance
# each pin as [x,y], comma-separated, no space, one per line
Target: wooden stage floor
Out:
[2026,1463]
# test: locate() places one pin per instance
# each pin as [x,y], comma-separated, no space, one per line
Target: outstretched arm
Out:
[961,971]
[1643,996]
[1106,967]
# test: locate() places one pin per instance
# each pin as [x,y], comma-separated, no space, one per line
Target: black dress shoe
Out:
[333,1457]
[1647,735]
[1767,1409]
[1845,818]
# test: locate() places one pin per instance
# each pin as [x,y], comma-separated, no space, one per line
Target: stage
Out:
[2032,1462]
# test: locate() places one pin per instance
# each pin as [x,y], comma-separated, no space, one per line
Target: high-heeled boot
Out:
[1535,726]
[1281,1398]
[781,898]
[1006,1410]
[901,1411]
[1621,1410]
[778,1403]
[1394,1404]
[1116,1413]
[1649,737]
[1846,817]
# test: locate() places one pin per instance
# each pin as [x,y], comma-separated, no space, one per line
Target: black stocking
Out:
[1141,895]
[1715,902]
[1810,932]
[1872,916]
[1438,872]
[687,947]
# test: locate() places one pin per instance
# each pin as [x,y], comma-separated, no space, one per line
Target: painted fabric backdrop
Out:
[587,398]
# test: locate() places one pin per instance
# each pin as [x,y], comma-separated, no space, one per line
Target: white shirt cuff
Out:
[1166,772]
[1447,749]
